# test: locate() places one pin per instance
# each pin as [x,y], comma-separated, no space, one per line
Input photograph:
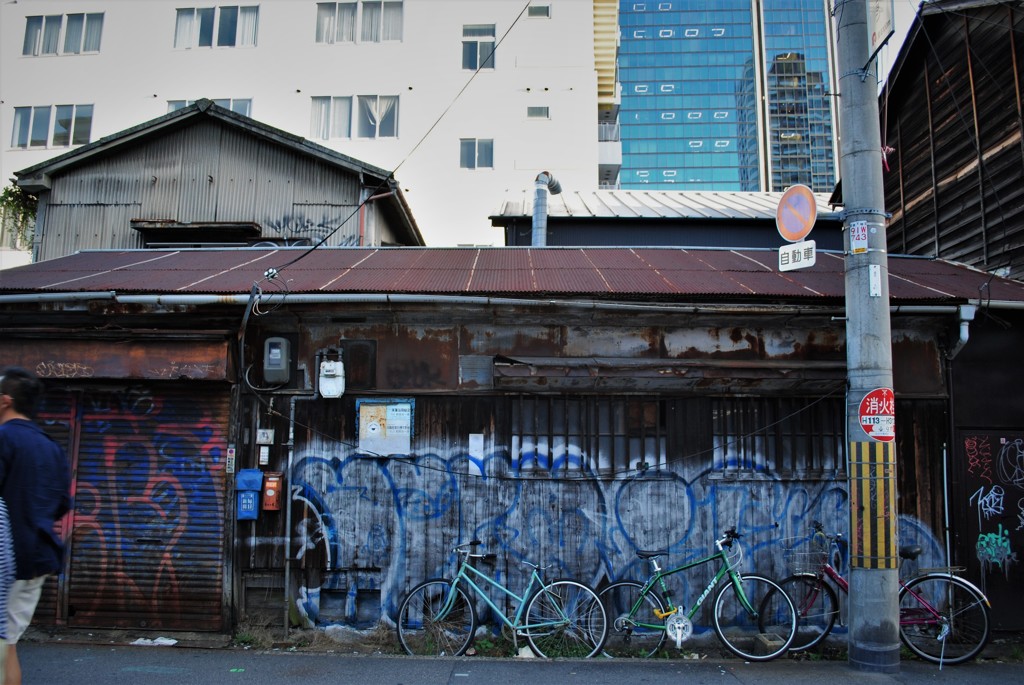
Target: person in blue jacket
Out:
[35,483]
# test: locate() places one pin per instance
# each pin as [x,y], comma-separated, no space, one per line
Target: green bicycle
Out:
[752,616]
[561,618]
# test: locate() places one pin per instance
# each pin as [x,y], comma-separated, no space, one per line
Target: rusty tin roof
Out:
[621,273]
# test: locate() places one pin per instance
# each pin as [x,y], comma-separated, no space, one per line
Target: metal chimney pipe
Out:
[545,182]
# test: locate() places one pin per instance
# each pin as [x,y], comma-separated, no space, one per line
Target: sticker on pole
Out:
[878,414]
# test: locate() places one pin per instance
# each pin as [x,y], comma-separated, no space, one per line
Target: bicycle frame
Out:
[931,614]
[466,575]
[658,578]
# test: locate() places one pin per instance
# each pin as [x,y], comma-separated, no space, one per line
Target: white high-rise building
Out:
[413,86]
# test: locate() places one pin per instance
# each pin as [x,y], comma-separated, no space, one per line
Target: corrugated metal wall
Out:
[147,546]
[204,173]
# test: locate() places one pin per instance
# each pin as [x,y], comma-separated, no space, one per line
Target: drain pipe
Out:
[967,312]
[545,182]
[288,488]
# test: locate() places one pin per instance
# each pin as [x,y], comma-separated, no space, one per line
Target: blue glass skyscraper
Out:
[726,95]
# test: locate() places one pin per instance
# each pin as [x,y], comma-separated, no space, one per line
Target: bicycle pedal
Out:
[665,614]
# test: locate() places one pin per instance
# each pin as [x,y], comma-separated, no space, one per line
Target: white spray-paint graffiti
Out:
[376,527]
[1011,463]
[989,503]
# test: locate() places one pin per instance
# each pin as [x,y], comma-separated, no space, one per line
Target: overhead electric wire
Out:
[272,273]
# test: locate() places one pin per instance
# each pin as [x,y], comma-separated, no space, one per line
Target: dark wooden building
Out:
[565,406]
[952,114]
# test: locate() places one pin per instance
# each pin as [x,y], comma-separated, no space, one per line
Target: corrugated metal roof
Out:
[646,204]
[664,274]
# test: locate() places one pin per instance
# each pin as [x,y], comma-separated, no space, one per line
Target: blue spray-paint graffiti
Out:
[384,525]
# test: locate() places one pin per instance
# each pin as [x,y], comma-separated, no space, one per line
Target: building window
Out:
[538,112]
[606,435]
[543,11]
[377,116]
[788,436]
[381,21]
[56,126]
[476,153]
[331,118]
[237,105]
[478,46]
[62,34]
[227,26]
[336,22]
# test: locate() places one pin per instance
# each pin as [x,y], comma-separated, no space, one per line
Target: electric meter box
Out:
[277,360]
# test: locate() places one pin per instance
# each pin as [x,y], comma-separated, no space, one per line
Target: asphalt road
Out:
[57,663]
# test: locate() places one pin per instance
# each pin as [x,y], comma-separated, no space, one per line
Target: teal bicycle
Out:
[561,618]
[752,616]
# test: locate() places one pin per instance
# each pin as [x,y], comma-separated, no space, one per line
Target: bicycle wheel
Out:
[817,609]
[424,631]
[943,619]
[625,637]
[759,635]
[565,619]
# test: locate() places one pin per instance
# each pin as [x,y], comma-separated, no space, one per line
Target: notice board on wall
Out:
[385,426]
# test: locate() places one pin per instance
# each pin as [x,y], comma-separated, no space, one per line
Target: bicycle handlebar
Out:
[467,547]
[727,537]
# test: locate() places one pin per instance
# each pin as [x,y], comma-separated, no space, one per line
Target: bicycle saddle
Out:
[651,553]
[910,552]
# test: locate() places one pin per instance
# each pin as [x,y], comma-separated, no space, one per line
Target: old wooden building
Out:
[952,131]
[206,176]
[565,406]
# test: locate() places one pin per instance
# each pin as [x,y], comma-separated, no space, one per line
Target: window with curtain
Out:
[381,21]
[59,34]
[476,153]
[46,126]
[226,26]
[478,46]
[331,117]
[377,116]
[336,22]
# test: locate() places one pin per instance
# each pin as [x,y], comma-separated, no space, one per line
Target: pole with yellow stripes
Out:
[874,581]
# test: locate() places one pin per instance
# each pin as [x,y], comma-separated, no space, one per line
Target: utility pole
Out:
[870,406]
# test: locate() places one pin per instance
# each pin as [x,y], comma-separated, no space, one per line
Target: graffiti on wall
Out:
[381,526]
[994,463]
[148,502]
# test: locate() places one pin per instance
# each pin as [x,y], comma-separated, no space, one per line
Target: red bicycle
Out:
[943,618]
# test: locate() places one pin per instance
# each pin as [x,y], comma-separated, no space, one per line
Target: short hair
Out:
[24,389]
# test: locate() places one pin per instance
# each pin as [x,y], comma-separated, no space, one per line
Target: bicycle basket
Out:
[805,555]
